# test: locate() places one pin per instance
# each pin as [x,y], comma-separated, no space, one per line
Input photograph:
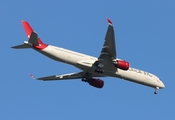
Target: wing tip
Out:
[32,76]
[109,21]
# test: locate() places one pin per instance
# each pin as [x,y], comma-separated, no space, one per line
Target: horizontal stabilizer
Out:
[22,46]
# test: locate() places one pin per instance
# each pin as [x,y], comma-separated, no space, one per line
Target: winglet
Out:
[109,21]
[27,28]
[32,76]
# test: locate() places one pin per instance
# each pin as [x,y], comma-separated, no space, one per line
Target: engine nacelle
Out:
[121,64]
[96,83]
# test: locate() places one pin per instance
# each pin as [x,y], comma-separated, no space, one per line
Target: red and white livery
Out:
[107,64]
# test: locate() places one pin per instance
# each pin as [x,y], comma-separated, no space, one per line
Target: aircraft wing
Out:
[108,52]
[68,76]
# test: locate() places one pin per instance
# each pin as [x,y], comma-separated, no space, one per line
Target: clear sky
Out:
[145,37]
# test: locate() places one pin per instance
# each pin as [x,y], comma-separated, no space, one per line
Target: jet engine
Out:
[95,82]
[121,64]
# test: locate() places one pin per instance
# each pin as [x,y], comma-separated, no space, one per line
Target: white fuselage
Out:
[85,63]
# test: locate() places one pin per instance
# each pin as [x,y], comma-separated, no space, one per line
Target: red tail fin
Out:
[33,37]
[39,41]
[27,28]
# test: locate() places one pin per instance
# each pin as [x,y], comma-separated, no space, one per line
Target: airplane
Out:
[107,64]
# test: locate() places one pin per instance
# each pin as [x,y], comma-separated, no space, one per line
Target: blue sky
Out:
[145,37]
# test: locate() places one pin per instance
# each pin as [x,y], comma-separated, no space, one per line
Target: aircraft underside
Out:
[107,64]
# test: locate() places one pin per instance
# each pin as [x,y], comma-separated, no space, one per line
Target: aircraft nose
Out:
[162,85]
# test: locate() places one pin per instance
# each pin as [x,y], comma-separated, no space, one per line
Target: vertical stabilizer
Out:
[34,39]
[28,29]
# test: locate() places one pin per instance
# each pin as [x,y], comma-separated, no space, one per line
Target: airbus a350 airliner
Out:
[107,64]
